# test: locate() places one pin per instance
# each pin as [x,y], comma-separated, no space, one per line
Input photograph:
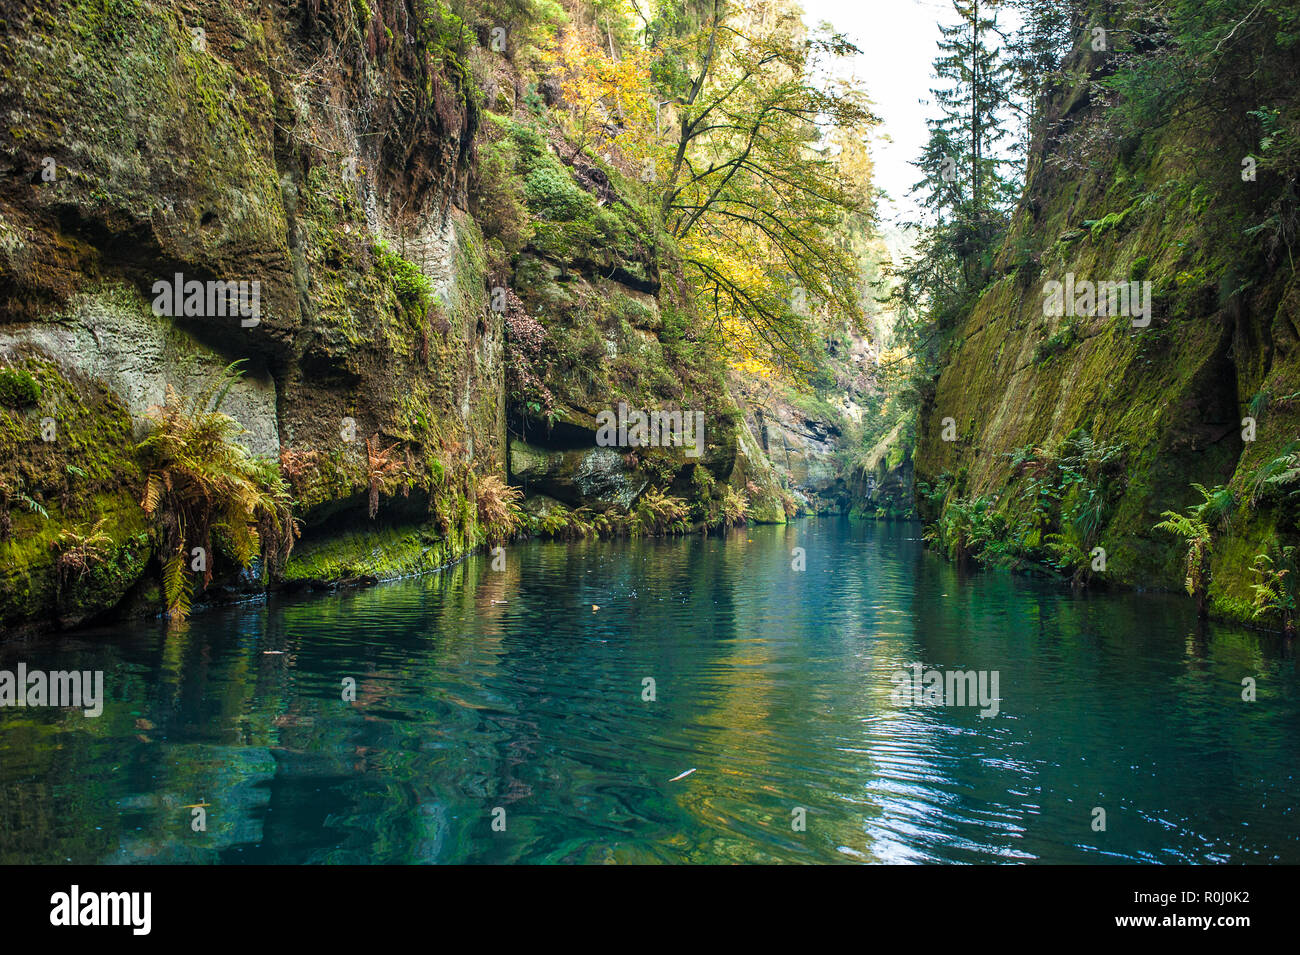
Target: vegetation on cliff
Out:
[473,225]
[1133,176]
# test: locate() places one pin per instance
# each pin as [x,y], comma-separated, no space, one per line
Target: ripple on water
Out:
[479,690]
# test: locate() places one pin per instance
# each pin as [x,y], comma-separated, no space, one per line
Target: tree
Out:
[966,185]
[751,185]
[1049,30]
[968,189]
[605,94]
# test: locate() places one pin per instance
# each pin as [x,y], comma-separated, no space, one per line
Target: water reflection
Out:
[478,689]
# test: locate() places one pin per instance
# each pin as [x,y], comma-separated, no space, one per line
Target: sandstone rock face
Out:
[599,316]
[293,147]
[804,447]
[596,477]
[113,336]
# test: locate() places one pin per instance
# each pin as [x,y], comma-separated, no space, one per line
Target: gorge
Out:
[486,359]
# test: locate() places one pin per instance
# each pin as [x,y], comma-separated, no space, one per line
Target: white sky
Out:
[898,39]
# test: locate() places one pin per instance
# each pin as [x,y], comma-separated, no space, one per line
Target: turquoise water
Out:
[480,690]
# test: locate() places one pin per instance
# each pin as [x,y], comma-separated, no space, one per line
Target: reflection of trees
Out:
[789,711]
[478,688]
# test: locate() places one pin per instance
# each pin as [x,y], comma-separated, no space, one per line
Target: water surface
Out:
[481,690]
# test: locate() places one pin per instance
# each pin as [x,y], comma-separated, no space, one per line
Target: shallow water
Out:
[481,690]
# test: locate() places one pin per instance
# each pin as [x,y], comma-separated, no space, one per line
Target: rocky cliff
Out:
[1089,422]
[443,293]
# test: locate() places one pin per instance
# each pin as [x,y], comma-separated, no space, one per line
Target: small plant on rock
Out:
[202,481]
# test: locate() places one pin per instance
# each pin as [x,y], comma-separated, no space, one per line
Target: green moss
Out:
[384,553]
[1060,342]
[31,586]
[1111,222]
[87,472]
[18,389]
[413,288]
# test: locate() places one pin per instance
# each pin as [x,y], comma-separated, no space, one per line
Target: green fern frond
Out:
[176,585]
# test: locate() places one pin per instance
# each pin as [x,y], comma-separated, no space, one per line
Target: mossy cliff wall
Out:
[1169,206]
[332,151]
[321,149]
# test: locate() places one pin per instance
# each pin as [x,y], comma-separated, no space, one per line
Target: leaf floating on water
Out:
[683,775]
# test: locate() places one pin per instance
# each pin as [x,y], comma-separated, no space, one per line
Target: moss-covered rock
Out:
[1172,393]
[67,463]
[299,148]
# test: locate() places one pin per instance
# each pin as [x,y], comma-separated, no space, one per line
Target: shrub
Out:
[413,288]
[553,195]
[502,208]
[1062,340]
[969,529]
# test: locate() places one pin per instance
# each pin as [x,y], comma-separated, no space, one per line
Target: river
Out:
[547,711]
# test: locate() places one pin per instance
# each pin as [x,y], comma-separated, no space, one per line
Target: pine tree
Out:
[968,186]
[1049,29]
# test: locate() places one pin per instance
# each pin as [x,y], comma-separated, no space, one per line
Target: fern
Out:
[34,505]
[1216,507]
[1276,591]
[201,480]
[176,585]
[1068,557]
[383,472]
[79,553]
[1197,536]
[498,508]
[660,513]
